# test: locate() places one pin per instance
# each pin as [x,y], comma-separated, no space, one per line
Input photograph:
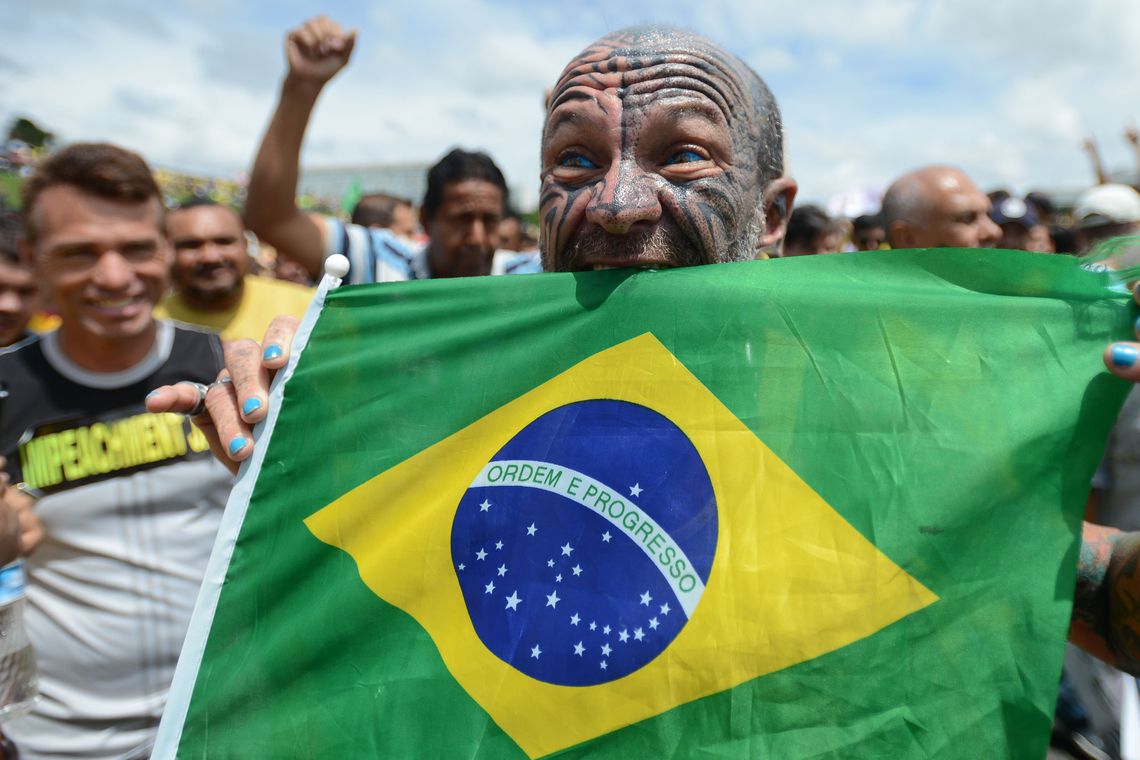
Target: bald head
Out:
[660,148]
[650,51]
[938,207]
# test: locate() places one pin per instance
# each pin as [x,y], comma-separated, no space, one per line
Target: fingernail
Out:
[251,405]
[272,351]
[152,393]
[1137,326]
[237,444]
[1124,356]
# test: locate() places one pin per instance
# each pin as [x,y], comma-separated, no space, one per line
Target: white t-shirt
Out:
[131,507]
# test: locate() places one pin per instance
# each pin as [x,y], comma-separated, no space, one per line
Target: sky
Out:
[1006,89]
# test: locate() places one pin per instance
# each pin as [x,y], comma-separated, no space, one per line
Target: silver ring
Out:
[200,407]
[226,380]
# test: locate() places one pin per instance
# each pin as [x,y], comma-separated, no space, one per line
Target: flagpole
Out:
[193,647]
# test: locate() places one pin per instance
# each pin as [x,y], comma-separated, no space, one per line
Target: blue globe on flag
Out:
[584,545]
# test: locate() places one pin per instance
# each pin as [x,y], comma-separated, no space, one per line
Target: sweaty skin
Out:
[938,207]
[210,256]
[654,155]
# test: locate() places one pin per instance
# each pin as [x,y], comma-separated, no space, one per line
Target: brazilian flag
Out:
[823,507]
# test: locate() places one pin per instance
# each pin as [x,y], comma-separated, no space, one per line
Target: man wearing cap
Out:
[1107,211]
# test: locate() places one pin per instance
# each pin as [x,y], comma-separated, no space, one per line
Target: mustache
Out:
[659,244]
[213,266]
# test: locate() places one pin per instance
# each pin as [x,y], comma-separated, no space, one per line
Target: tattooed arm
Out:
[1106,606]
[316,52]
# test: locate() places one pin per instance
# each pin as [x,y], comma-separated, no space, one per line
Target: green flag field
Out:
[802,508]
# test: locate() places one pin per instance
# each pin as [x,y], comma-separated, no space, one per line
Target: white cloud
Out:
[869,90]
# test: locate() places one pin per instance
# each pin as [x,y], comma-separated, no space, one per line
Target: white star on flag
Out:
[665,608]
[462,566]
[574,619]
[531,530]
[603,666]
[566,549]
[489,588]
[498,544]
[606,650]
[577,569]
[558,578]
[536,651]
[653,623]
[502,570]
[513,600]
[638,634]
[623,635]
[552,599]
[606,537]
[646,599]
[484,506]
[635,490]
[606,630]
[579,649]
[550,563]
[480,554]
[593,626]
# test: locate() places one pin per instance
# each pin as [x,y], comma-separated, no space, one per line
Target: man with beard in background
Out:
[212,283]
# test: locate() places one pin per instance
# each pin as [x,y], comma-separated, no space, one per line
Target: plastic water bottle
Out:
[19,677]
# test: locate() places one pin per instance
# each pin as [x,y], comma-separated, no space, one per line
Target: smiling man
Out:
[212,283]
[130,500]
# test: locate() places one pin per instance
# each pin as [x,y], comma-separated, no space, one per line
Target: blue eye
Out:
[684,157]
[577,161]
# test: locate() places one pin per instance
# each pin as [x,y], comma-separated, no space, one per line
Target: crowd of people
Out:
[121,315]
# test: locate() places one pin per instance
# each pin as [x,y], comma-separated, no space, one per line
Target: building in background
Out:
[327,186]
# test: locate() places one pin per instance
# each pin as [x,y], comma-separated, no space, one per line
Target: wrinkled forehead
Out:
[651,62]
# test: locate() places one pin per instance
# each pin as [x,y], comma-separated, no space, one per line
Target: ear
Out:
[776,205]
[900,235]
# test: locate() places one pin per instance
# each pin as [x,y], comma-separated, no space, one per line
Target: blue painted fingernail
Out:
[1138,325]
[237,444]
[1124,356]
[152,393]
[251,405]
[272,351]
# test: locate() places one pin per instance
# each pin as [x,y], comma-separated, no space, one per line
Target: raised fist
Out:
[318,49]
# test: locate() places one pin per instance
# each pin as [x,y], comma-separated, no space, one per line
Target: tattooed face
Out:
[653,155]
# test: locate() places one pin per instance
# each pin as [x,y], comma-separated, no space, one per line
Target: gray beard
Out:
[663,242]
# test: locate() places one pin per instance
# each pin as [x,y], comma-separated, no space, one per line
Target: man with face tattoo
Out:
[661,149]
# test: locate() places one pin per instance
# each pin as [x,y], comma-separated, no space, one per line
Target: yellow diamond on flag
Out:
[571,597]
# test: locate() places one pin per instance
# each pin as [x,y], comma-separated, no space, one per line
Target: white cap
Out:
[1107,204]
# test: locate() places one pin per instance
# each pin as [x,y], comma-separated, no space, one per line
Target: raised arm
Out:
[316,52]
[1094,157]
[1132,136]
